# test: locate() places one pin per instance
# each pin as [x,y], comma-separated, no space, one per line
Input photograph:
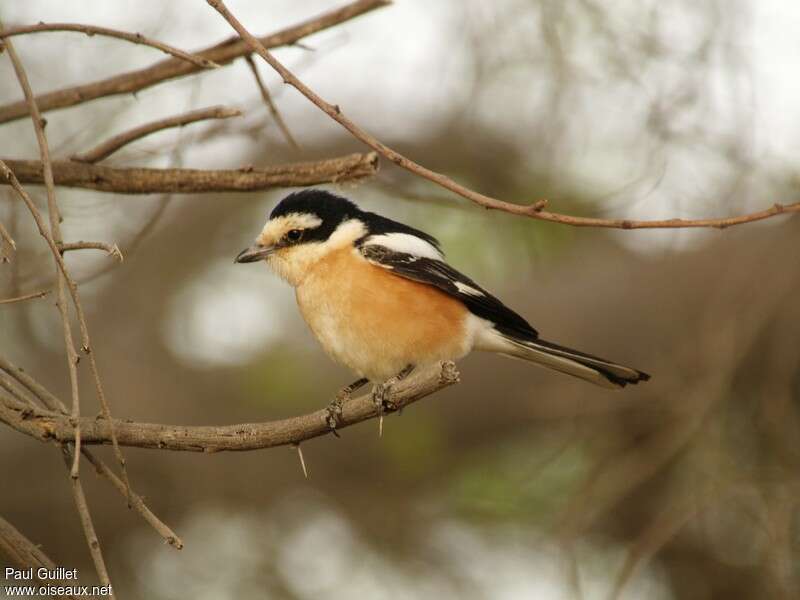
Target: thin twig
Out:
[191,181]
[36,388]
[245,436]
[33,296]
[136,501]
[7,236]
[64,280]
[267,97]
[108,147]
[54,240]
[110,249]
[534,210]
[153,219]
[86,521]
[17,391]
[91,30]
[222,53]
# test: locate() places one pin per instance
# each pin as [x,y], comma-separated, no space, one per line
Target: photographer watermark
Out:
[49,582]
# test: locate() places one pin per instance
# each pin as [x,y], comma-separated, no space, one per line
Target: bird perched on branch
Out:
[381,299]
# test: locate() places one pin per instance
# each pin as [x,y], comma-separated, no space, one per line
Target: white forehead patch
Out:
[276,227]
[405,243]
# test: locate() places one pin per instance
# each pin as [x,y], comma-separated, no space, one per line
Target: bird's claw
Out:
[382,397]
[334,410]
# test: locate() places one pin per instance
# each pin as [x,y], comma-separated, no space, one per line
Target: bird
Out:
[382,300]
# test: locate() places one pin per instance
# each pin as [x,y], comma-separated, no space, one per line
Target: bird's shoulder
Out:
[413,257]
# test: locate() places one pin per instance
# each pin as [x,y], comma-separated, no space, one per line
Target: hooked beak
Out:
[254,254]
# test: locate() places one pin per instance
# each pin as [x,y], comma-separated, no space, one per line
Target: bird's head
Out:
[303,228]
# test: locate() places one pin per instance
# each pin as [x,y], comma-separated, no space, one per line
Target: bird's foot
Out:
[382,395]
[334,409]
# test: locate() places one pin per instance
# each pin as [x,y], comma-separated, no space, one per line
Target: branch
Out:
[32,296]
[110,249]
[90,30]
[136,501]
[48,426]
[86,520]
[53,238]
[107,148]
[222,53]
[191,181]
[267,97]
[5,238]
[534,210]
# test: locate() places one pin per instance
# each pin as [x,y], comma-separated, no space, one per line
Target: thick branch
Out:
[534,210]
[108,147]
[48,426]
[191,181]
[90,30]
[222,53]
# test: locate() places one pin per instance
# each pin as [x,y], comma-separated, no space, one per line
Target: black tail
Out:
[566,360]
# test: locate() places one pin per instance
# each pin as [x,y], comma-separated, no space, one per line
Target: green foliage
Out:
[525,480]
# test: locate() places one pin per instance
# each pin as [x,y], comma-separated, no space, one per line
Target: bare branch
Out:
[136,501]
[110,249]
[108,147]
[53,239]
[5,237]
[267,97]
[91,30]
[23,298]
[86,521]
[19,394]
[222,53]
[246,436]
[64,280]
[191,181]
[534,210]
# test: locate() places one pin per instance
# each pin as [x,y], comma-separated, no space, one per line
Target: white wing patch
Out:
[405,243]
[467,289]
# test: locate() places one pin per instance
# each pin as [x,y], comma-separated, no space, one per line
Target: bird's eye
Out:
[294,235]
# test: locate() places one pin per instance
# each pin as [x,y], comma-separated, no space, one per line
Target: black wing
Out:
[457,285]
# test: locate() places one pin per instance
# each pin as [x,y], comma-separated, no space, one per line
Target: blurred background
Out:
[517,483]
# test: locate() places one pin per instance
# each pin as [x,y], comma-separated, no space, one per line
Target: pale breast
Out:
[375,322]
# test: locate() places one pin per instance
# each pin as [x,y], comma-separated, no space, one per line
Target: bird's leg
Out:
[343,395]
[382,394]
